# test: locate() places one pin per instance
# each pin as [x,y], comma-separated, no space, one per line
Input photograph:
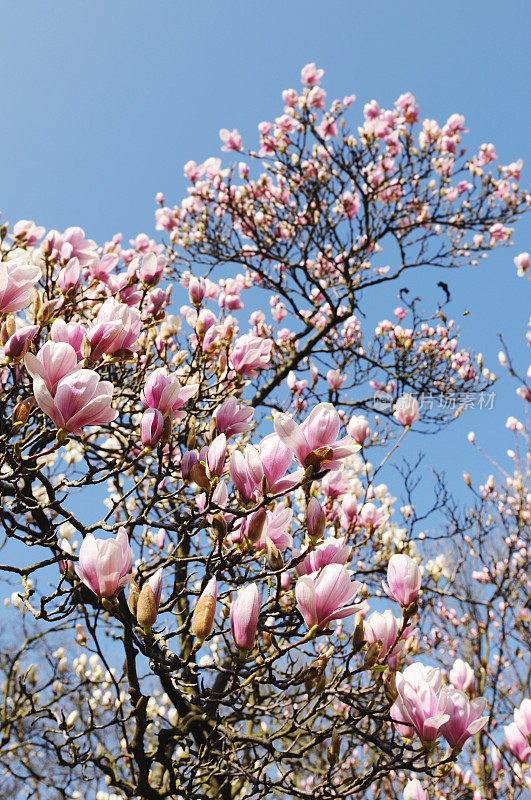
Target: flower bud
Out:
[149,601]
[372,655]
[81,636]
[199,476]
[256,524]
[315,519]
[22,410]
[275,560]
[205,611]
[132,600]
[333,751]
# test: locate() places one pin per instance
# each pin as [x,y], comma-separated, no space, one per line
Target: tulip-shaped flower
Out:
[383,628]
[517,743]
[70,332]
[105,565]
[17,345]
[406,410]
[116,328]
[315,442]
[413,790]
[465,717]
[522,716]
[53,361]
[246,472]
[151,427]
[421,701]
[250,353]
[403,580]
[323,596]
[244,613]
[165,393]
[358,429]
[462,676]
[276,458]
[80,399]
[17,278]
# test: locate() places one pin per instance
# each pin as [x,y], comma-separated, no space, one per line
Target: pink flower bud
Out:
[358,429]
[105,565]
[315,519]
[406,410]
[151,427]
[244,613]
[196,290]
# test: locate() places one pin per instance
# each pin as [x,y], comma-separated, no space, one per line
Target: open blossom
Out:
[80,399]
[522,716]
[165,393]
[71,333]
[413,790]
[17,279]
[420,703]
[250,353]
[383,628]
[244,613]
[53,362]
[315,443]
[517,743]
[330,551]
[403,579]
[105,565]
[231,139]
[465,717]
[232,417]
[116,328]
[323,596]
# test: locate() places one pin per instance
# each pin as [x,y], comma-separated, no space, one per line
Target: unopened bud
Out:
[198,475]
[372,655]
[132,600]
[205,611]
[333,751]
[22,410]
[191,440]
[275,560]
[85,348]
[81,636]
[390,686]
[358,639]
[256,525]
[146,610]
[46,311]
[219,526]
[466,478]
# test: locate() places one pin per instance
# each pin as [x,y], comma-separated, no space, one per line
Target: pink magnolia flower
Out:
[116,328]
[276,458]
[322,596]
[80,399]
[18,344]
[315,441]
[371,517]
[335,379]
[71,333]
[276,528]
[517,743]
[246,472]
[358,429]
[330,551]
[315,519]
[522,263]
[165,393]
[196,290]
[231,139]
[26,231]
[151,427]
[403,579]
[250,353]
[70,276]
[150,268]
[421,702]
[105,565]
[244,613]
[231,417]
[522,716]
[406,410]
[53,362]
[462,676]
[413,790]
[17,278]
[310,75]
[383,628]
[465,717]
[216,453]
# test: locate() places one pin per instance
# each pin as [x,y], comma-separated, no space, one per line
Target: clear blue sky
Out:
[103,102]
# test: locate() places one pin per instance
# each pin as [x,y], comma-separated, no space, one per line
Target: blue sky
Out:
[104,102]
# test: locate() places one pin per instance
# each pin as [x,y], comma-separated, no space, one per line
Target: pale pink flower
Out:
[27,232]
[53,362]
[165,393]
[231,417]
[80,399]
[358,429]
[462,676]
[116,328]
[231,139]
[522,263]
[406,410]
[276,458]
[151,427]
[323,596]
[330,551]
[383,628]
[17,278]
[465,717]
[249,354]
[413,790]
[315,441]
[421,702]
[244,613]
[70,276]
[17,345]
[403,579]
[517,743]
[71,333]
[105,565]
[335,379]
[522,716]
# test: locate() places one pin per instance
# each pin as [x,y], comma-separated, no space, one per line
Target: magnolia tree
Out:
[212,593]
